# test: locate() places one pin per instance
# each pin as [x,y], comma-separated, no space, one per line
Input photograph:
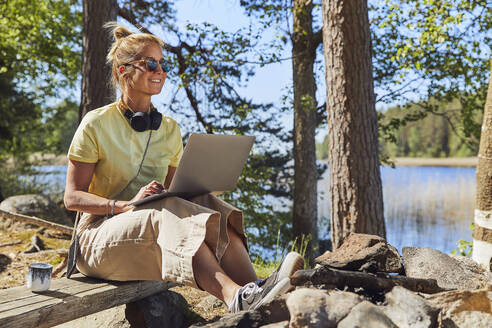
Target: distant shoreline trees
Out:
[433,135]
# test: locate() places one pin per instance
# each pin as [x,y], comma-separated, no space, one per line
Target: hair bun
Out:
[120,32]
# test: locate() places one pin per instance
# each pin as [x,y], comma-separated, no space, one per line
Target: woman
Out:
[126,151]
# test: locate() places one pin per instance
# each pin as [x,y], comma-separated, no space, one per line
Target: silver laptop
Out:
[210,163]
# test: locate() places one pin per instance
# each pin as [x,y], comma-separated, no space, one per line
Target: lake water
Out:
[423,206]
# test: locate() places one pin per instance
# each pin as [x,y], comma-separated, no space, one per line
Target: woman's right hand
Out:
[152,188]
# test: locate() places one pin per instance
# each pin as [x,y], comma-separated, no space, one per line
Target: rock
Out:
[282,324]
[464,308]
[449,272]
[468,263]
[5,260]
[210,303]
[33,205]
[465,319]
[246,319]
[273,312]
[366,314]
[456,301]
[164,309]
[407,309]
[311,307]
[361,252]
[276,310]
[36,245]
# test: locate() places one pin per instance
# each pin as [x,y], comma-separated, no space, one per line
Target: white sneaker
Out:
[251,296]
[254,294]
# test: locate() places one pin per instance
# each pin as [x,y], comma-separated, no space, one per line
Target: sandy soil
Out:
[14,263]
[460,162]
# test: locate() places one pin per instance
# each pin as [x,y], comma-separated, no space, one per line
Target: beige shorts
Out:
[157,241]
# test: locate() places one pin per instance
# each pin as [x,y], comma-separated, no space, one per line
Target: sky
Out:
[270,82]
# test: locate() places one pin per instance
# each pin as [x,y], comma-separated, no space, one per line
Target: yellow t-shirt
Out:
[105,137]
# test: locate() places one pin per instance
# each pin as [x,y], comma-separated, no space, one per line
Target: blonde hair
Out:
[126,47]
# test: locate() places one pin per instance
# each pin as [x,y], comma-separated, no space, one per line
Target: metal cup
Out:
[39,277]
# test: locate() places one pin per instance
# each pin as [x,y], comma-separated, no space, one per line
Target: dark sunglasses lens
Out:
[166,66]
[151,65]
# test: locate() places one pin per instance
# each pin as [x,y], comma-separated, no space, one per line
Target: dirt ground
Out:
[14,263]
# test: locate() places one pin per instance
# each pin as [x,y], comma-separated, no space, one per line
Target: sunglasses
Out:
[151,64]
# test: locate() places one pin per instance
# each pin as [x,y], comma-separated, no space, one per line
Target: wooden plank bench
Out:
[69,299]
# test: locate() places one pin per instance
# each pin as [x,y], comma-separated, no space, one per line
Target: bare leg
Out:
[235,261]
[211,277]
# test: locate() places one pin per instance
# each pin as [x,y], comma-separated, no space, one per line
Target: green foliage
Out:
[18,177]
[440,134]
[22,132]
[436,50]
[40,42]
[465,248]
[265,267]
[20,118]
[59,127]
[424,52]
[301,245]
[409,131]
[323,148]
[40,48]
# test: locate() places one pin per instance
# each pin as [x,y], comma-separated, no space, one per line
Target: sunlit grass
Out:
[264,267]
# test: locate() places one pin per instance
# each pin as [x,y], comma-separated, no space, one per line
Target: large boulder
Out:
[274,314]
[465,319]
[311,307]
[362,252]
[407,309]
[464,308]
[282,324]
[33,205]
[449,272]
[164,309]
[250,319]
[366,315]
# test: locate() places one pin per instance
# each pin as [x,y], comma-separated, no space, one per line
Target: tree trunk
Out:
[305,172]
[482,234]
[355,181]
[96,90]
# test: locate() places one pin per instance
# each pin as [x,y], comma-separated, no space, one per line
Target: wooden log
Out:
[69,299]
[59,251]
[12,243]
[380,282]
[36,221]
